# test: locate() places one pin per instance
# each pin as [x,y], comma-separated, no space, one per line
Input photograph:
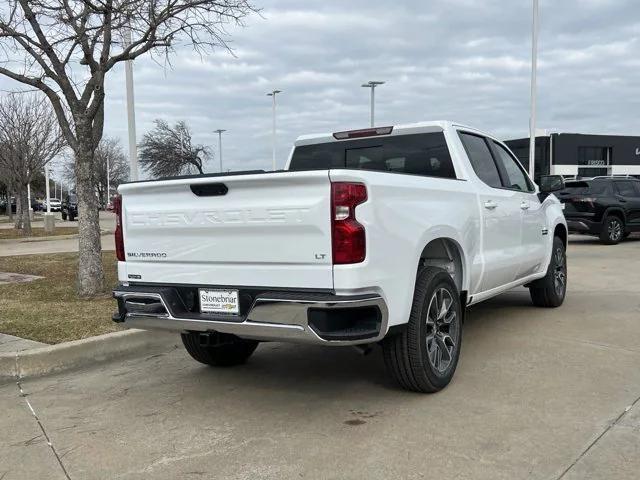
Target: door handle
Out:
[524,205]
[490,205]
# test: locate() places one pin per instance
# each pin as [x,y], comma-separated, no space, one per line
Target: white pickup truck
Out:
[383,235]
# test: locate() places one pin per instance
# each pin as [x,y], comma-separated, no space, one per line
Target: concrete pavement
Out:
[539,394]
[20,247]
[56,245]
[11,344]
[107,221]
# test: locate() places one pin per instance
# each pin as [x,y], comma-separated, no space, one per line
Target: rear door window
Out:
[424,154]
[594,187]
[626,188]
[515,178]
[481,159]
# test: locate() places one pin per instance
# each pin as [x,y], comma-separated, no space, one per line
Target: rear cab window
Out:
[424,154]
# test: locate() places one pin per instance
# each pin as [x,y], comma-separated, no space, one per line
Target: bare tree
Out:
[66,48]
[108,156]
[167,151]
[30,138]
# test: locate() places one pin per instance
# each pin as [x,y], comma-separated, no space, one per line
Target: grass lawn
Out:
[47,310]
[12,233]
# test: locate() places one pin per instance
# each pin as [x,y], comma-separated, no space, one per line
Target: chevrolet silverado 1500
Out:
[383,235]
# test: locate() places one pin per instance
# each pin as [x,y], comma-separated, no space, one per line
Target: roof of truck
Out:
[403,129]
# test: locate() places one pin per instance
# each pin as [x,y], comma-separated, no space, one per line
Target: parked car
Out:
[69,208]
[6,204]
[608,207]
[382,235]
[54,204]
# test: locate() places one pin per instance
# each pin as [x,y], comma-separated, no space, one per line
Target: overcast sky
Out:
[464,60]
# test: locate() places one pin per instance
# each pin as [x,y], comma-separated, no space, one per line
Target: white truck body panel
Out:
[268,230]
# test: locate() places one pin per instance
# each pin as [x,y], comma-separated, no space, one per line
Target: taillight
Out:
[347,235]
[117,208]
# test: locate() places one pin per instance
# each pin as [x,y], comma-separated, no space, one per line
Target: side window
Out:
[625,188]
[515,176]
[481,159]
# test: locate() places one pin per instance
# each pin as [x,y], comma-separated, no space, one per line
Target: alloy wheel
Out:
[615,230]
[560,272]
[443,330]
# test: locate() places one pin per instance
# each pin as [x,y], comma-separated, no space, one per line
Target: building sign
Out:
[593,163]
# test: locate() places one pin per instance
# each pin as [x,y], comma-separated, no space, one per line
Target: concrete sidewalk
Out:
[107,221]
[539,394]
[9,344]
[9,248]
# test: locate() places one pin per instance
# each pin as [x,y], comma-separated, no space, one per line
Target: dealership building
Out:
[581,155]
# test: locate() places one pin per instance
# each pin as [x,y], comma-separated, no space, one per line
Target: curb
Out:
[79,353]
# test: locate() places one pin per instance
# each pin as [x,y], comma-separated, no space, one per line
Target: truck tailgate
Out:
[262,230]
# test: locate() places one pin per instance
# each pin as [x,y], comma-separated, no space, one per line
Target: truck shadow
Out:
[318,370]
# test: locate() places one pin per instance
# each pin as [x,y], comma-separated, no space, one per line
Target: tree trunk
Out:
[90,271]
[18,218]
[10,193]
[25,218]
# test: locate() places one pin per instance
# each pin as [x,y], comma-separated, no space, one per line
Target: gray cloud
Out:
[466,60]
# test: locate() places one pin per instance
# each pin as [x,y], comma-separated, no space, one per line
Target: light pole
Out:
[372,85]
[219,132]
[108,182]
[273,139]
[48,190]
[131,114]
[534,68]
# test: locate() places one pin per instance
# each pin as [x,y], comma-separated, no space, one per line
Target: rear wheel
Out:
[550,290]
[221,350]
[423,357]
[612,230]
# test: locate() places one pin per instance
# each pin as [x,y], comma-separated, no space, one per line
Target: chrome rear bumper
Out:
[276,316]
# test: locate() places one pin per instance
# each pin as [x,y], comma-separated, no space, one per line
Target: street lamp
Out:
[273,139]
[48,190]
[372,85]
[108,181]
[534,68]
[219,132]
[131,113]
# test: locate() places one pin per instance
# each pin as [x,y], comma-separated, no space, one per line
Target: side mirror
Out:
[551,183]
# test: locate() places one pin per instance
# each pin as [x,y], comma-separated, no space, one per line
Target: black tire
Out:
[410,356]
[64,216]
[550,290]
[612,230]
[224,350]
[72,218]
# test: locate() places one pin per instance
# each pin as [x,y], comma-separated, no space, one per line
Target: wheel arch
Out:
[445,253]
[561,232]
[616,211]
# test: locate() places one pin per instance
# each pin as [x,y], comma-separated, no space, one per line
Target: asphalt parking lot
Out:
[539,394]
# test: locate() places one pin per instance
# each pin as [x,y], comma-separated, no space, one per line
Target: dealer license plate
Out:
[219,301]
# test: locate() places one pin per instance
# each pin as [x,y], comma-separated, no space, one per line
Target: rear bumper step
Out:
[301,317]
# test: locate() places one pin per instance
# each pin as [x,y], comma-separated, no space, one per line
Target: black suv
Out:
[607,207]
[69,208]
